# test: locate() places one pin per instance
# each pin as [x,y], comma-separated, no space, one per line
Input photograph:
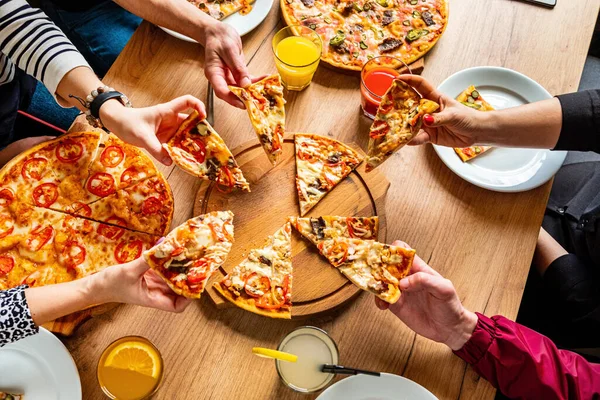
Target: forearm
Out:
[534,125]
[78,82]
[178,15]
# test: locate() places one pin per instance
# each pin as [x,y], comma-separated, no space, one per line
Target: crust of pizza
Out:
[269,125]
[215,149]
[395,30]
[328,227]
[362,261]
[477,103]
[197,248]
[398,121]
[272,263]
[312,183]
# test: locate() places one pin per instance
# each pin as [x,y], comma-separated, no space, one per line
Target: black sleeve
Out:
[580,121]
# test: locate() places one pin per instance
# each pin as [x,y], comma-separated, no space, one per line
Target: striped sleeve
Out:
[30,41]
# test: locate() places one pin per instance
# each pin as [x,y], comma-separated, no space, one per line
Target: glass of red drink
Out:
[376,78]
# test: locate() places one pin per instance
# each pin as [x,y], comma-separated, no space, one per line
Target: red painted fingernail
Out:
[428,119]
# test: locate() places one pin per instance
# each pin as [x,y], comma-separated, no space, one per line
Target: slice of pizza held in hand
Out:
[398,120]
[330,227]
[370,265]
[192,252]
[199,150]
[471,97]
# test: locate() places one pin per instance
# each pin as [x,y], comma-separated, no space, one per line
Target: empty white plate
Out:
[40,367]
[242,23]
[501,169]
[384,387]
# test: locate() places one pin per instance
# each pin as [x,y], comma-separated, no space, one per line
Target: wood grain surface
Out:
[317,286]
[483,241]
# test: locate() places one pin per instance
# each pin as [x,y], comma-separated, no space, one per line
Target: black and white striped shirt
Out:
[30,41]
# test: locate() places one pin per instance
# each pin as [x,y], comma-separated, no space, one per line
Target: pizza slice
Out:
[265,104]
[398,120]
[330,227]
[199,150]
[370,265]
[146,207]
[321,163]
[220,10]
[472,98]
[262,282]
[11,396]
[192,252]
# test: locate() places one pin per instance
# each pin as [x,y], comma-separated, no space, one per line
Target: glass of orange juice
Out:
[130,368]
[297,51]
[376,78]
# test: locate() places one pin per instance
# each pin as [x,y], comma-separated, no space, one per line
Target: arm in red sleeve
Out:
[522,363]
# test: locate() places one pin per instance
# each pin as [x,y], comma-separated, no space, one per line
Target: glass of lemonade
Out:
[314,347]
[376,78]
[297,51]
[130,368]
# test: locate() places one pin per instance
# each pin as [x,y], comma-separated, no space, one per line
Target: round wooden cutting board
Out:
[317,286]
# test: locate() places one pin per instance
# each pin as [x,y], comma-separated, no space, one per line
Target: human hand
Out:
[455,125]
[16,148]
[430,306]
[149,127]
[135,283]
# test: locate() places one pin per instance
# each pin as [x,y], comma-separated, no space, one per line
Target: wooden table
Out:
[207,351]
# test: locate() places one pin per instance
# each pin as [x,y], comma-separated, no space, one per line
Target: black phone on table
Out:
[544,3]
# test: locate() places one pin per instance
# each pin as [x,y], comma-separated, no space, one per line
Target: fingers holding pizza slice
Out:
[398,120]
[199,150]
[192,252]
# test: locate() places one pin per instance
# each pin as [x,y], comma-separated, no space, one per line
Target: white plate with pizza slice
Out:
[501,169]
[40,367]
[384,387]
[243,23]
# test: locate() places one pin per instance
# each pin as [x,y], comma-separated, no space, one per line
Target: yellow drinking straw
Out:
[278,355]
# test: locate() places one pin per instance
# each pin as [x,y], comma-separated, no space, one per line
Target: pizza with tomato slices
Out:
[370,265]
[330,227]
[199,150]
[192,252]
[321,163]
[471,97]
[262,282]
[265,105]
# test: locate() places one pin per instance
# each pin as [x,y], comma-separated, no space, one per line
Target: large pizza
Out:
[75,205]
[353,32]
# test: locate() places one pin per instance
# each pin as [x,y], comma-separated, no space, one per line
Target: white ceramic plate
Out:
[384,387]
[501,169]
[41,367]
[242,23]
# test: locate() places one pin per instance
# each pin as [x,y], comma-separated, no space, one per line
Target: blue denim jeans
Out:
[100,34]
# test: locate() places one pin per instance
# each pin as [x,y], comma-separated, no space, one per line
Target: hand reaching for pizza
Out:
[430,306]
[149,127]
[454,125]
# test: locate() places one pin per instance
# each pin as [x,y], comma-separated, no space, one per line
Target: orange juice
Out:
[130,368]
[296,57]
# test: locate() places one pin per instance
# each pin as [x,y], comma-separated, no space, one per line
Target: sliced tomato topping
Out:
[270,301]
[45,194]
[6,197]
[358,229]
[131,174]
[7,263]
[225,182]
[286,286]
[73,254]
[379,129]
[6,225]
[177,251]
[112,232]
[260,102]
[255,284]
[305,156]
[195,146]
[386,108]
[39,237]
[82,209]
[277,137]
[339,251]
[101,184]
[69,151]
[34,168]
[128,251]
[151,205]
[199,272]
[112,156]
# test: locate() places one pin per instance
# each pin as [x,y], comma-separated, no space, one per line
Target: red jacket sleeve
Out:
[524,364]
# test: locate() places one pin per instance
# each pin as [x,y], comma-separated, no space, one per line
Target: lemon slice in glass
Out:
[278,355]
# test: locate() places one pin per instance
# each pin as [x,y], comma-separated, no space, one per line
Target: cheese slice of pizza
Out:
[471,97]
[265,105]
[370,265]
[330,227]
[321,163]
[398,120]
[262,283]
[192,252]
[199,150]
[223,9]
